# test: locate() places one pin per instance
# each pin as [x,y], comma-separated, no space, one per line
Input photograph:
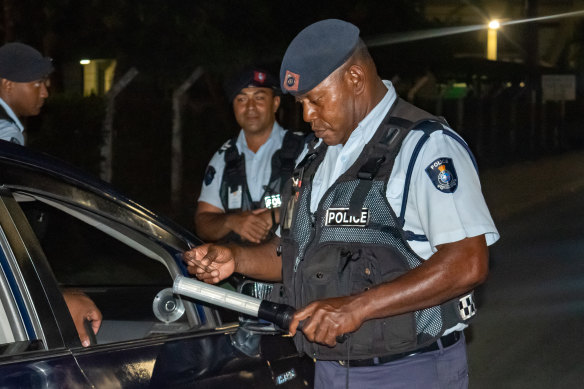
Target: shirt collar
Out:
[367,127]
[12,115]
[242,142]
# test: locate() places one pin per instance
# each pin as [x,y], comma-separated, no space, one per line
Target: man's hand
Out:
[325,320]
[82,308]
[213,224]
[210,263]
[252,226]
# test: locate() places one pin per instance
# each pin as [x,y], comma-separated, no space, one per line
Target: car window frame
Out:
[200,316]
[33,281]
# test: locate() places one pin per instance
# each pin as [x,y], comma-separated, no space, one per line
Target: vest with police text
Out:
[355,241]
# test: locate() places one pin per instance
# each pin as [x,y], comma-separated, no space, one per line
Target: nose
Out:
[44,91]
[308,112]
[250,104]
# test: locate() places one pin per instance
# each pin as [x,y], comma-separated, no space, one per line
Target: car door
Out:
[63,229]
[32,350]
[140,344]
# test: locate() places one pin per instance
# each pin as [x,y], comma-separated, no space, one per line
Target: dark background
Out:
[167,39]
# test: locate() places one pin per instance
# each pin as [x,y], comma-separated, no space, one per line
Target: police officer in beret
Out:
[241,192]
[24,83]
[384,228]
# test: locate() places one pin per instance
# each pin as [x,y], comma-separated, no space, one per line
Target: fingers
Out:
[82,334]
[300,315]
[254,226]
[95,317]
[210,263]
[326,321]
[82,308]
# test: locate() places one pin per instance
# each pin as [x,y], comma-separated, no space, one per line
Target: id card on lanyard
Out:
[234,197]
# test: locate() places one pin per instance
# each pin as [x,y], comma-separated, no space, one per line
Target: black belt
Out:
[447,341]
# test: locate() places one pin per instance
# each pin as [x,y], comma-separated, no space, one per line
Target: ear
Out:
[356,76]
[276,103]
[5,84]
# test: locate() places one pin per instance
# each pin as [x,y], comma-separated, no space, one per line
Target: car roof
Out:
[17,162]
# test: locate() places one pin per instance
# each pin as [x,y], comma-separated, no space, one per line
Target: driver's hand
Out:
[82,308]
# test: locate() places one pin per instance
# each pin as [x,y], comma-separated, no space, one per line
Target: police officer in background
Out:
[384,233]
[24,82]
[240,195]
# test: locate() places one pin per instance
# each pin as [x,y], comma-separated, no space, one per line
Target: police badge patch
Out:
[209,175]
[443,175]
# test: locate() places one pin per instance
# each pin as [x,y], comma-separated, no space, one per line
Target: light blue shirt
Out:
[10,131]
[442,217]
[258,167]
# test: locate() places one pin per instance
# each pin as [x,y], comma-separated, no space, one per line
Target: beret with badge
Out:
[250,77]
[315,53]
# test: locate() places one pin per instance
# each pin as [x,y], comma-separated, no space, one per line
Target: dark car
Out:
[60,228]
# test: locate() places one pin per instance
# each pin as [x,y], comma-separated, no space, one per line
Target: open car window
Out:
[123,271]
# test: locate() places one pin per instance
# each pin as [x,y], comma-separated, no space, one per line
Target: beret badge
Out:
[291,81]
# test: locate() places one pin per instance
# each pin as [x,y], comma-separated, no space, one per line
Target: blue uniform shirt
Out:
[258,167]
[443,217]
[11,131]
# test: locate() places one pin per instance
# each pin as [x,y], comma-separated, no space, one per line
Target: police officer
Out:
[384,234]
[240,195]
[24,81]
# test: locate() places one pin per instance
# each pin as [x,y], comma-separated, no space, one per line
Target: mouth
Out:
[319,132]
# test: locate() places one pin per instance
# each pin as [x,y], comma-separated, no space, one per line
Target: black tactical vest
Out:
[234,177]
[355,241]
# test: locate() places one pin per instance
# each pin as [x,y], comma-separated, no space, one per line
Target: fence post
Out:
[105,170]
[176,149]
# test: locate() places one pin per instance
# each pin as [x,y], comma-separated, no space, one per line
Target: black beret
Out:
[22,63]
[250,77]
[315,53]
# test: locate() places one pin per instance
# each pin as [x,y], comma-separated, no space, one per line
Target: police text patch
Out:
[443,175]
[209,175]
[339,217]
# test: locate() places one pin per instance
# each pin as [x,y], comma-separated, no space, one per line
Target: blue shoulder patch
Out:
[209,175]
[443,175]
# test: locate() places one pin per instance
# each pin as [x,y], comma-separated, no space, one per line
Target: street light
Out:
[492,40]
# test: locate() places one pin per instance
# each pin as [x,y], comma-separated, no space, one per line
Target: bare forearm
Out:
[212,226]
[260,262]
[452,271]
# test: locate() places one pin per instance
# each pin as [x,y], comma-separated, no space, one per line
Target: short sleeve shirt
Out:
[11,130]
[443,217]
[258,167]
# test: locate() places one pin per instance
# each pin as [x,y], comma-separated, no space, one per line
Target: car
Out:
[61,228]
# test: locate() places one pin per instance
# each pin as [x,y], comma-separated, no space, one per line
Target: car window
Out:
[124,280]
[81,255]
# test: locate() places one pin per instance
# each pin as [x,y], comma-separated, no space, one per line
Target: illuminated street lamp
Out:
[492,40]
